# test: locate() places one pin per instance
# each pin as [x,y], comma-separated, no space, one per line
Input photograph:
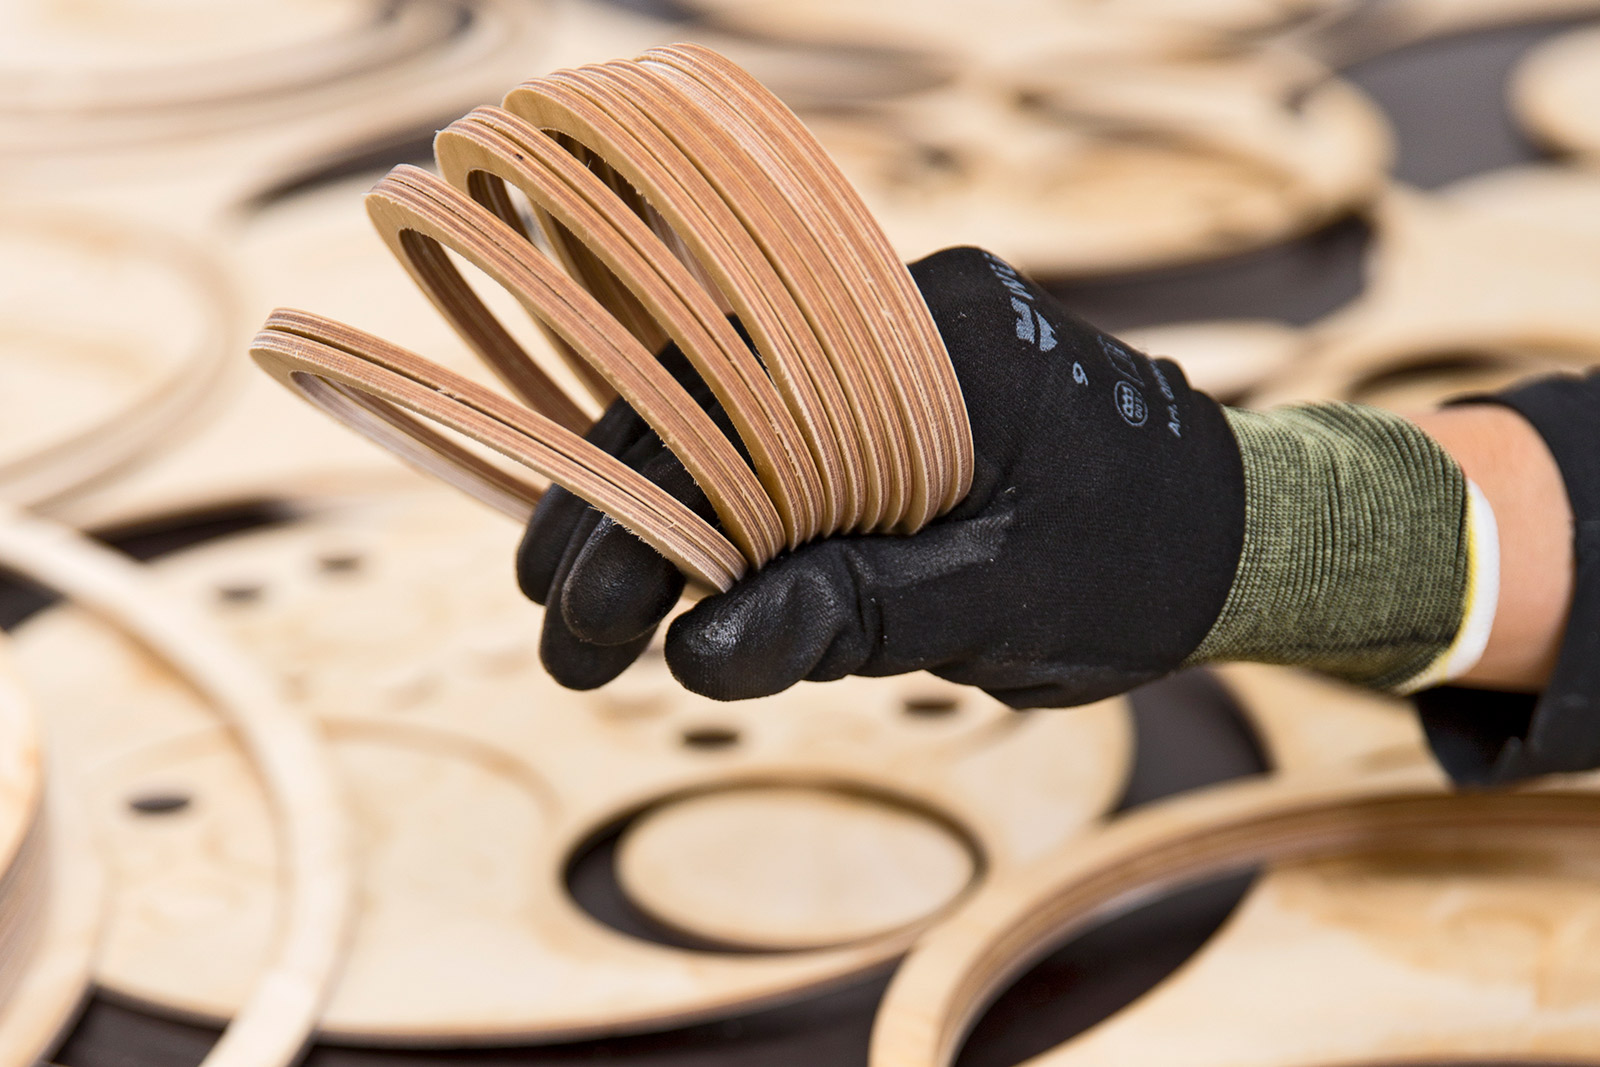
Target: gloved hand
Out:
[1105,542]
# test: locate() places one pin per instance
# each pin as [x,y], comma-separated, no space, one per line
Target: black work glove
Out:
[1094,552]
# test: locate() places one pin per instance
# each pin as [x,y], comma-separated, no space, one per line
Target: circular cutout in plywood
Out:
[392,622]
[1122,172]
[447,835]
[112,334]
[788,868]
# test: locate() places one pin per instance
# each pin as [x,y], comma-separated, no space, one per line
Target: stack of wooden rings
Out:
[673,189]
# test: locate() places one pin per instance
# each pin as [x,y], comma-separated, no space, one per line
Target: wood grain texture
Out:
[272,1025]
[473,779]
[790,868]
[1465,941]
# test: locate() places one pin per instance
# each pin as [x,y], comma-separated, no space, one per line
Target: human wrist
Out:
[1364,556]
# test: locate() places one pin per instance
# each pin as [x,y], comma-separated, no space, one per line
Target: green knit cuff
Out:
[1356,557]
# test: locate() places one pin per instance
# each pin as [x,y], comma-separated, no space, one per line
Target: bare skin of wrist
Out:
[1508,460]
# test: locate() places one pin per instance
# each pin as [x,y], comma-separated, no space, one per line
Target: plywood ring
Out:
[347,608]
[56,975]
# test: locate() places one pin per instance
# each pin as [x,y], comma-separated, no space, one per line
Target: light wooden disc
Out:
[1555,92]
[112,334]
[1395,956]
[787,868]
[394,623]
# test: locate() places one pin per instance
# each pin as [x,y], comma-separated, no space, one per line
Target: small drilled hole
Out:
[339,562]
[158,803]
[711,737]
[930,707]
[242,593]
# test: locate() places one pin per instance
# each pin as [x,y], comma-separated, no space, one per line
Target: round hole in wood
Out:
[931,705]
[159,802]
[769,867]
[710,738]
[240,593]
[339,562]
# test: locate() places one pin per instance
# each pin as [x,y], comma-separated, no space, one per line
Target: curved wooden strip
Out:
[412,209]
[57,973]
[951,976]
[22,782]
[907,314]
[310,356]
[492,144]
[720,245]
[750,179]
[272,1028]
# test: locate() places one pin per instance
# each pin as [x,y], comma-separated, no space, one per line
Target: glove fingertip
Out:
[618,588]
[578,664]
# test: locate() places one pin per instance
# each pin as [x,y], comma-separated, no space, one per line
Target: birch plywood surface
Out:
[57,971]
[462,745]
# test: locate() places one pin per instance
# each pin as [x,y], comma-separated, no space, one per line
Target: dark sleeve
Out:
[1487,738]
